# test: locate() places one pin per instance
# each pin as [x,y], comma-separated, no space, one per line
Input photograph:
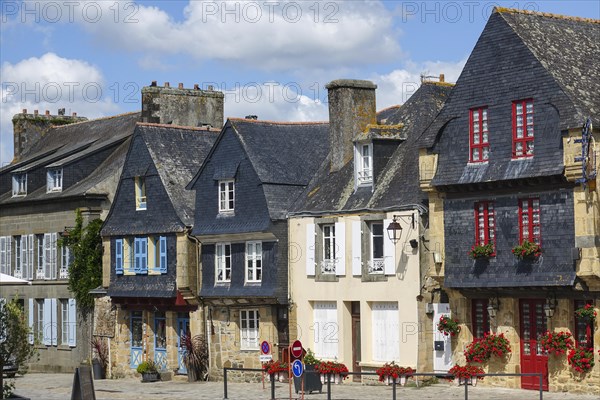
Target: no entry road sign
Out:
[297,349]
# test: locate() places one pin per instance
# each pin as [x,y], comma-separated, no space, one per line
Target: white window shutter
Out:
[8,253]
[30,258]
[53,255]
[389,251]
[310,249]
[3,255]
[340,244]
[386,331]
[47,255]
[24,253]
[54,326]
[72,323]
[356,248]
[30,317]
[47,325]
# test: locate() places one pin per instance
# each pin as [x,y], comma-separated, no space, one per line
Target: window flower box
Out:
[332,371]
[466,375]
[527,251]
[391,372]
[276,369]
[481,251]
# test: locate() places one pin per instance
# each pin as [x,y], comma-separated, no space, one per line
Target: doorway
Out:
[533,357]
[356,340]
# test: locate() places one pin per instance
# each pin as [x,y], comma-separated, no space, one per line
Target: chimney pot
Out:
[61,111]
[442,77]
[180,85]
[211,87]
[74,114]
[196,87]
[47,113]
[254,117]
[153,83]
[35,112]
[167,84]
[24,111]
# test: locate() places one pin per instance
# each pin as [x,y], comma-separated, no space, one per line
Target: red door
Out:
[533,358]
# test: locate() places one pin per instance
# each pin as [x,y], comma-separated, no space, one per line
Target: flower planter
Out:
[312,382]
[401,380]
[469,381]
[333,378]
[150,377]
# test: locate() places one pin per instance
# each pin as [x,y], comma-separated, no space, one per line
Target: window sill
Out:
[249,350]
[477,163]
[226,213]
[253,283]
[521,158]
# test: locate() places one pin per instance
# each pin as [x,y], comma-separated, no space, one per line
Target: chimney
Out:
[24,111]
[254,117]
[74,114]
[153,84]
[35,113]
[167,84]
[196,86]
[180,85]
[442,78]
[351,108]
[47,113]
[61,111]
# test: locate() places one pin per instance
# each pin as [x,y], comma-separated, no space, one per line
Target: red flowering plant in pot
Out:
[527,250]
[466,373]
[277,369]
[586,313]
[448,326]
[332,370]
[481,251]
[482,349]
[557,343]
[393,372]
[581,360]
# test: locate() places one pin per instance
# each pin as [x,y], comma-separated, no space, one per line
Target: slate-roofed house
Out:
[57,170]
[355,288]
[150,261]
[244,190]
[502,164]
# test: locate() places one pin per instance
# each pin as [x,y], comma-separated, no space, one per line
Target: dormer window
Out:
[226,196]
[19,185]
[364,164]
[54,180]
[478,130]
[140,193]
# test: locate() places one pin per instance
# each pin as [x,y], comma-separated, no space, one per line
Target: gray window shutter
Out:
[356,248]
[310,249]
[30,317]
[54,326]
[389,251]
[340,251]
[72,323]
[47,325]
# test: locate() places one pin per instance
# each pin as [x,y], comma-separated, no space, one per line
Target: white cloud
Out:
[49,82]
[267,35]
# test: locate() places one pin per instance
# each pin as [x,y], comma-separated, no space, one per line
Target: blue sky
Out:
[271,58]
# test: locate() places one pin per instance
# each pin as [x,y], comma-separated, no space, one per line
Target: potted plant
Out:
[586,313]
[481,251]
[466,375]
[149,371]
[448,326]
[557,343]
[310,379]
[391,372]
[527,251]
[100,360]
[195,356]
[278,370]
[480,350]
[332,371]
[581,360]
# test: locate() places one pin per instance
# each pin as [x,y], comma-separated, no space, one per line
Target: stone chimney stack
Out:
[351,108]
[181,106]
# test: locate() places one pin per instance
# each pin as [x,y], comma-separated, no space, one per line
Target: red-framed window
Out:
[583,334]
[529,221]
[480,317]
[522,128]
[478,128]
[485,223]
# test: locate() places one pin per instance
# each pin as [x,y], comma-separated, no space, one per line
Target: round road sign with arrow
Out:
[297,368]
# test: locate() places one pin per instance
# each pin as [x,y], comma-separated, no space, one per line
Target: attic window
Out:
[19,184]
[226,195]
[140,193]
[523,128]
[364,164]
[54,180]
[478,130]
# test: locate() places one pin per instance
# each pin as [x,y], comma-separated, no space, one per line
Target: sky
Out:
[270,58]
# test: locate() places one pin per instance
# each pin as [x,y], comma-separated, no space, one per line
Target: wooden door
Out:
[533,357]
[356,341]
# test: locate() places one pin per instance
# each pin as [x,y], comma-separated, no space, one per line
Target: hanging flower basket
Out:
[527,251]
[391,372]
[481,251]
[557,343]
[448,326]
[581,360]
[586,313]
[481,350]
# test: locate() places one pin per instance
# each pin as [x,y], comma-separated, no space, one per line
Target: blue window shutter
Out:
[144,255]
[119,256]
[163,254]
[138,255]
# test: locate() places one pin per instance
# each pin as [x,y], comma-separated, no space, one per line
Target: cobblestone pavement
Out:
[58,387]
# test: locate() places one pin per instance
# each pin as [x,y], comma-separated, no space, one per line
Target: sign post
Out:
[265,356]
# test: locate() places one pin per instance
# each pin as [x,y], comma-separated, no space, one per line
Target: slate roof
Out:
[398,183]
[178,152]
[285,156]
[569,50]
[65,144]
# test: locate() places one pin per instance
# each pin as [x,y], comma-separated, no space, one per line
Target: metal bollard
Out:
[224,383]
[394,389]
[272,386]
[328,386]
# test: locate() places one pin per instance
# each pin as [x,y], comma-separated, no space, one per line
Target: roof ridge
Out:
[389,108]
[190,128]
[545,14]
[96,119]
[261,121]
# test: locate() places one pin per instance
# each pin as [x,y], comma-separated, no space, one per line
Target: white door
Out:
[442,359]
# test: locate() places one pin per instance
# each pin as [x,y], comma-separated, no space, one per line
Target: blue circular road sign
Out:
[297,368]
[265,347]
